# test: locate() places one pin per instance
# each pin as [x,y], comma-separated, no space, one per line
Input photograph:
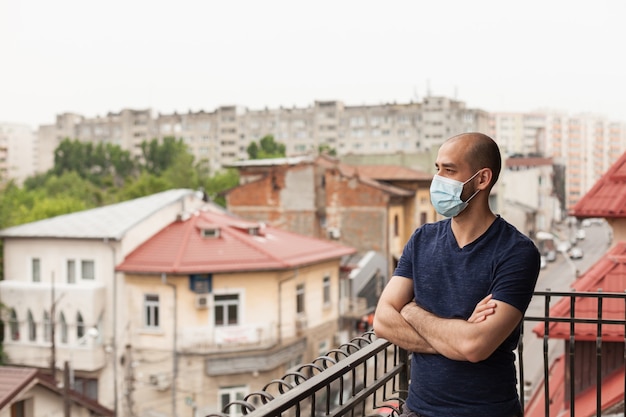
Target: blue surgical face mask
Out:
[445,195]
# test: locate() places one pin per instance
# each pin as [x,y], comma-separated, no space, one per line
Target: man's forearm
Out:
[392,326]
[443,335]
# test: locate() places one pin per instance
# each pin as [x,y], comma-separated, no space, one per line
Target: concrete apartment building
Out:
[17,152]
[222,136]
[585,145]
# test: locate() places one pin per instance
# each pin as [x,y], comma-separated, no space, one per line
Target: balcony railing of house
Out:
[369,376]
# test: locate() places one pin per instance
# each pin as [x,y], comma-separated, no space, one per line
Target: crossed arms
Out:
[404,323]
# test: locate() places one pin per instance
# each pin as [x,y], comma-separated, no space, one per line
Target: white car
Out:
[580,234]
[575,253]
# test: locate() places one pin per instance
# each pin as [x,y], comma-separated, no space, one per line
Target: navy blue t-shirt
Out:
[449,281]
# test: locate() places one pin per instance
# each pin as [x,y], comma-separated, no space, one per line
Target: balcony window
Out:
[80,326]
[227,310]
[14,326]
[151,311]
[47,327]
[326,290]
[63,326]
[32,327]
[87,270]
[300,299]
[36,269]
[229,394]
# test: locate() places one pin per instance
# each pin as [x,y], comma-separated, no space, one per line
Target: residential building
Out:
[222,136]
[167,303]
[585,145]
[528,194]
[217,305]
[60,284]
[325,198]
[17,152]
[28,392]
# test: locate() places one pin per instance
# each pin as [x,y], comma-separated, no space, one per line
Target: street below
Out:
[559,275]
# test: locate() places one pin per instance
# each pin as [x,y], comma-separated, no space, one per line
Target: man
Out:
[459,292]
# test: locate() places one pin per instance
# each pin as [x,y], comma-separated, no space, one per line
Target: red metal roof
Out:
[181,247]
[607,275]
[607,198]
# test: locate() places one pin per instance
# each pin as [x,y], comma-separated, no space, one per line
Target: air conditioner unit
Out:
[202,301]
[334,233]
[159,381]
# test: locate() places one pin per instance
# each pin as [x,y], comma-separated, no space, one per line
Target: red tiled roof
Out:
[181,248]
[14,380]
[607,198]
[584,403]
[527,162]
[608,275]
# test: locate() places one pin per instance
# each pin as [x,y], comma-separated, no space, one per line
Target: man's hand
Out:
[484,308]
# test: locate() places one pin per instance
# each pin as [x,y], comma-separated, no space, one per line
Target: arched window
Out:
[47,327]
[32,327]
[80,326]
[63,326]
[14,325]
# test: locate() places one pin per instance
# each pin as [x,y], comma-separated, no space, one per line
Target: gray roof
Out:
[110,222]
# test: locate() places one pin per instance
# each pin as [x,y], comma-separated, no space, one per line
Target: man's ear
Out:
[485,178]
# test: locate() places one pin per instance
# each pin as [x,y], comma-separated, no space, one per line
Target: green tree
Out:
[267,148]
[326,149]
[159,156]
[220,182]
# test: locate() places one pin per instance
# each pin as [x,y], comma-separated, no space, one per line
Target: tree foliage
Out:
[267,148]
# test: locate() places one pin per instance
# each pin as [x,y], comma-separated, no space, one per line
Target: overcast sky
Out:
[92,57]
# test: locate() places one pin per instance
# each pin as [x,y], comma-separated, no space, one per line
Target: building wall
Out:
[17,152]
[267,317]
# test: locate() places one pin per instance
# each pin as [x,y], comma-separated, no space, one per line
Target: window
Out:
[47,327]
[14,326]
[151,311]
[229,394]
[326,290]
[87,269]
[201,284]
[63,326]
[87,386]
[36,270]
[300,298]
[227,310]
[32,327]
[71,271]
[80,326]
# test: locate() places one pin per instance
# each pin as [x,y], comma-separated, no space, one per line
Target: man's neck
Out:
[467,227]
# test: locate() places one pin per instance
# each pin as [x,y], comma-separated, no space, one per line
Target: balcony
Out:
[369,376]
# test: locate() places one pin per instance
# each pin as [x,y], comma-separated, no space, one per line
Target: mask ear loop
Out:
[471,178]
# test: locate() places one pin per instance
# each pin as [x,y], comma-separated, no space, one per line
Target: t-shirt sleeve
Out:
[405,263]
[516,276]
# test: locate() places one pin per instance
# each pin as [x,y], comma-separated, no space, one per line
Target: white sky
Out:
[92,57]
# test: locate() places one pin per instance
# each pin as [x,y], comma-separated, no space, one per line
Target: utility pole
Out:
[130,380]
[174,355]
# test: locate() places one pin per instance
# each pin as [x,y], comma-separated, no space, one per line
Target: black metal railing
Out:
[369,376]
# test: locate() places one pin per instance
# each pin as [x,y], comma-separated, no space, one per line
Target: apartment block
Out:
[222,136]
[17,152]
[586,145]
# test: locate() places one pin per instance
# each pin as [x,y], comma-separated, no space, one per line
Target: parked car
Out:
[580,234]
[575,253]
[563,246]
[544,262]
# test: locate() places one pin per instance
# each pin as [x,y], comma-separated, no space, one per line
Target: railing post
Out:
[403,385]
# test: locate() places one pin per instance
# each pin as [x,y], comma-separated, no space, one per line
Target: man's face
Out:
[451,163]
